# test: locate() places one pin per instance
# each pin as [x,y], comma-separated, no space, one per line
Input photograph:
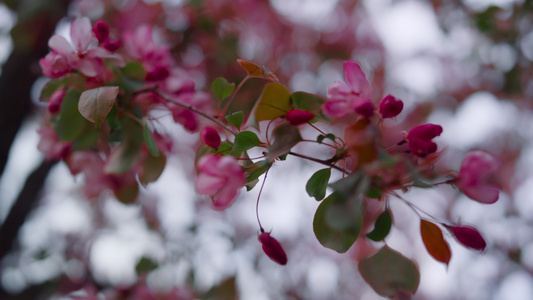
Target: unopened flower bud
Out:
[468,237]
[54,104]
[364,107]
[101,31]
[210,137]
[390,107]
[298,116]
[420,139]
[273,248]
[473,179]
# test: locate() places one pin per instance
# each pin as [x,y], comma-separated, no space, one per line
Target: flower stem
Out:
[257,202]
[320,161]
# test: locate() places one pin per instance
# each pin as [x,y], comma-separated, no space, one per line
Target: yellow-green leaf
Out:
[274,102]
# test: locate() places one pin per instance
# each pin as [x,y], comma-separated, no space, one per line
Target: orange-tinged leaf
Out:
[96,103]
[434,241]
[255,70]
[274,102]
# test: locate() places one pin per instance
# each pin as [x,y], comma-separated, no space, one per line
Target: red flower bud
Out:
[364,107]
[298,116]
[390,107]
[272,248]
[419,139]
[101,31]
[210,137]
[110,45]
[468,237]
[54,104]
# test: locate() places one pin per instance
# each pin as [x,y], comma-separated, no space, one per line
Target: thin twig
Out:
[320,161]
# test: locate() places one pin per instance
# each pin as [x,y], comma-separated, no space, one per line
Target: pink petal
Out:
[336,109]
[482,193]
[81,33]
[225,198]
[60,45]
[338,90]
[102,53]
[209,185]
[90,67]
[356,78]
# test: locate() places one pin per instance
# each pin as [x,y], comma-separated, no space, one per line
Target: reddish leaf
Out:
[468,237]
[254,70]
[434,242]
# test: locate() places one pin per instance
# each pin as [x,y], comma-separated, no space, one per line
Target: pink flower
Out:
[477,167]
[52,146]
[354,95]
[155,58]
[390,107]
[210,137]
[420,138]
[273,248]
[220,178]
[55,65]
[297,117]
[79,56]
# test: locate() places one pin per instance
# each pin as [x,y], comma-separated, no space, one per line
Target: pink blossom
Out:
[50,144]
[390,106]
[210,137]
[55,65]
[420,138]
[354,95]
[220,178]
[79,56]
[55,101]
[273,248]
[477,167]
[297,117]
[155,58]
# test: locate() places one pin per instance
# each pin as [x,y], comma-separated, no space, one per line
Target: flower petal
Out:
[60,45]
[81,33]
[356,78]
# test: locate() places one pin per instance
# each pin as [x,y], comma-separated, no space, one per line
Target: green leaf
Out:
[96,103]
[244,141]
[338,221]
[274,102]
[226,290]
[145,265]
[134,70]
[355,183]
[389,273]
[257,169]
[434,241]
[236,119]
[55,84]
[152,168]
[127,194]
[69,123]
[317,184]
[149,141]
[222,88]
[306,101]
[286,136]
[381,227]
[122,158]
[321,137]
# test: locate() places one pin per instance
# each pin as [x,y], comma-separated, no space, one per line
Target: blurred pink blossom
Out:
[477,167]
[220,178]
[354,95]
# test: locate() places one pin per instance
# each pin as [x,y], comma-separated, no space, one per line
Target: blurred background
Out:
[466,65]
